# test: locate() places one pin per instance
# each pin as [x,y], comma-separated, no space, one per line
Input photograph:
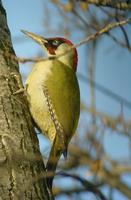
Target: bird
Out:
[53,96]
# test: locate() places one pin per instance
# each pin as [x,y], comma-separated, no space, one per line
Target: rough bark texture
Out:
[20,160]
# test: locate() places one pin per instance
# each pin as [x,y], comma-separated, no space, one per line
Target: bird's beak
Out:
[40,40]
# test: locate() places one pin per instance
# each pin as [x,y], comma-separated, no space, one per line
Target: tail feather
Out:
[56,151]
[65,153]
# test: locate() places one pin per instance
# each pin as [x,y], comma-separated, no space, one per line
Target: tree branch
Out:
[108,3]
[91,37]
[88,185]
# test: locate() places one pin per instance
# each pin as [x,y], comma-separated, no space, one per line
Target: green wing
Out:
[63,88]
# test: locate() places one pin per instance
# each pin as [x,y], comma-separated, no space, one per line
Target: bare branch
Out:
[107,176]
[108,3]
[59,191]
[88,185]
[91,37]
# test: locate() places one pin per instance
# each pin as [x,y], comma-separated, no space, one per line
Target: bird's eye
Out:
[55,42]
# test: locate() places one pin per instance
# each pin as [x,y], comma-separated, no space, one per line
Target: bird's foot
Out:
[17,78]
[21,90]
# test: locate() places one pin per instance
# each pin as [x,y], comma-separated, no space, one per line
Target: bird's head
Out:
[57,46]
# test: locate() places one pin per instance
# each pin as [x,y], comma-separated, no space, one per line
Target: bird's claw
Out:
[21,90]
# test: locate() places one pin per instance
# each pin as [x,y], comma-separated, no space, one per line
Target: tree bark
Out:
[21,165]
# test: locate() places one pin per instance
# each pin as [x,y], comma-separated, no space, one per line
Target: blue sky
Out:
[113,64]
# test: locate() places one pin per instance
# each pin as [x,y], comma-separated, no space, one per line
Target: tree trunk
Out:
[21,165]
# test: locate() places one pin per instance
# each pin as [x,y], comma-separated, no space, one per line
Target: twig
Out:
[124,33]
[108,3]
[58,191]
[88,185]
[89,38]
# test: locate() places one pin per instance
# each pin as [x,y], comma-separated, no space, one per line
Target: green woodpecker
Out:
[53,95]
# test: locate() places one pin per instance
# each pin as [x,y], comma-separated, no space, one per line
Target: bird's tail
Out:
[58,148]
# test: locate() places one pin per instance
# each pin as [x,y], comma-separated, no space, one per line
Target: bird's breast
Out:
[54,99]
[37,100]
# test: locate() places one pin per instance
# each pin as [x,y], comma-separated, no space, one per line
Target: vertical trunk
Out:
[21,165]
